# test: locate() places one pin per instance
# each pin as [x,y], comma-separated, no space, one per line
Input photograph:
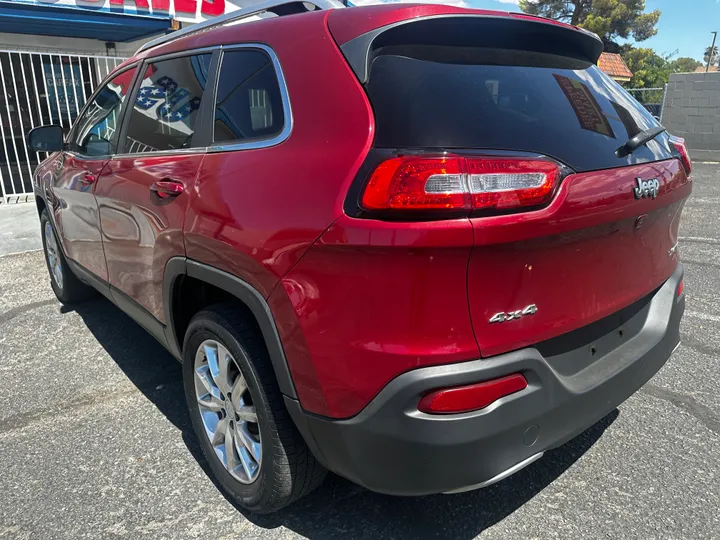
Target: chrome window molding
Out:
[87,157]
[174,151]
[284,95]
[225,147]
[180,54]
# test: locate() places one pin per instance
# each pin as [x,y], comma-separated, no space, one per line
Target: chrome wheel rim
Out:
[53,255]
[227,411]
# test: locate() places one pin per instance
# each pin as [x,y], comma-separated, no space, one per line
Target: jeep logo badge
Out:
[646,188]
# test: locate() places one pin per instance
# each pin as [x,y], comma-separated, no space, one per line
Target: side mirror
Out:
[107,99]
[46,138]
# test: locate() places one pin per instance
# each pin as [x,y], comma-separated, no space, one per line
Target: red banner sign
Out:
[207,7]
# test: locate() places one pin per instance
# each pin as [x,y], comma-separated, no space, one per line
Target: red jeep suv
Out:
[414,245]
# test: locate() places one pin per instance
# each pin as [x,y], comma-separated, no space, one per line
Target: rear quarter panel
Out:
[254,213]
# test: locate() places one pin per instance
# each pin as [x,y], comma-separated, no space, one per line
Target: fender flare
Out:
[242,291]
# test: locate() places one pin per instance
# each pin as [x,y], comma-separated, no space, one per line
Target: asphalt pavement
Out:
[19,228]
[95,441]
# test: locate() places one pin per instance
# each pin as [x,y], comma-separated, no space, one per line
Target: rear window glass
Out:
[447,97]
[249,104]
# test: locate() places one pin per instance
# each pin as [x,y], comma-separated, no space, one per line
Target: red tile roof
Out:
[615,66]
[701,69]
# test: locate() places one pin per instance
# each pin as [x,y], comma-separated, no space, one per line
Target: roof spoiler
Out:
[467,30]
[277,7]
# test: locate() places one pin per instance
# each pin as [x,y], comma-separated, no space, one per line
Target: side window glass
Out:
[96,132]
[249,104]
[166,108]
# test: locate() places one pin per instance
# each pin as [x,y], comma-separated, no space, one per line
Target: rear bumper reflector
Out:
[471,397]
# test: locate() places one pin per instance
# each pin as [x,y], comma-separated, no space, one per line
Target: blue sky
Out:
[685,25]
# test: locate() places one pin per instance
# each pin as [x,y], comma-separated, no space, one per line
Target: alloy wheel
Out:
[53,255]
[227,411]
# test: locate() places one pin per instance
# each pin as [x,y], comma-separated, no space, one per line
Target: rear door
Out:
[605,236]
[144,190]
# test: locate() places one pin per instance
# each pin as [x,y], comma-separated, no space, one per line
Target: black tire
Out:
[69,289]
[288,469]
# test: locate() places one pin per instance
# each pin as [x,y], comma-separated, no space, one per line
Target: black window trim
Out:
[112,75]
[284,95]
[203,123]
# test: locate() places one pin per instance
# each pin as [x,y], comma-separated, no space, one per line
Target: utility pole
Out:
[712,49]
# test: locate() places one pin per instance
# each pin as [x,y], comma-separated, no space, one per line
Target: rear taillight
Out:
[460,183]
[417,183]
[471,397]
[679,145]
[507,183]
[681,288]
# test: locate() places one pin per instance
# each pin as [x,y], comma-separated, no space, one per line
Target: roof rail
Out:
[279,7]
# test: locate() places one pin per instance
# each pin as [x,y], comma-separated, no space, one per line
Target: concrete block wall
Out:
[692,110]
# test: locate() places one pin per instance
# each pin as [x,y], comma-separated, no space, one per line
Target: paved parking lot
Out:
[95,441]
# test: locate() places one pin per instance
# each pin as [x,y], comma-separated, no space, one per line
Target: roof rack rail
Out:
[279,7]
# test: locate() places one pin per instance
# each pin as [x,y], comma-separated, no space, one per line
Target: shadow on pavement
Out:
[338,508]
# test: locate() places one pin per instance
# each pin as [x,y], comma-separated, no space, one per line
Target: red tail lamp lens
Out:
[472,397]
[458,183]
[419,183]
[679,145]
[681,288]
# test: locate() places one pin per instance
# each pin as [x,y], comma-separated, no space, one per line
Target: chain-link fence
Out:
[651,98]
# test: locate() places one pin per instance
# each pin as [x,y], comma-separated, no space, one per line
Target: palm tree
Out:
[712,54]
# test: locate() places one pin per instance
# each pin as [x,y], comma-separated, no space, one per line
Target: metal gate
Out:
[40,88]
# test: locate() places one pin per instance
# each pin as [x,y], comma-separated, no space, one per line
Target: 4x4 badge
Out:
[512,315]
[646,188]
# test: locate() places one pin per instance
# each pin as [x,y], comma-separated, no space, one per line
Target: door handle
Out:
[166,189]
[88,178]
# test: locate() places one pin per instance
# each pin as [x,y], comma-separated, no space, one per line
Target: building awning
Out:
[49,20]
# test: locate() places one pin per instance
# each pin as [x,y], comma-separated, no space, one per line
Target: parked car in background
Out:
[415,245]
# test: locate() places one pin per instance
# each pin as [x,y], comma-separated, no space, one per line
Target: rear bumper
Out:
[576,380]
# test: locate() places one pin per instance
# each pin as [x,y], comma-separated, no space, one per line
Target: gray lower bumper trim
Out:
[502,476]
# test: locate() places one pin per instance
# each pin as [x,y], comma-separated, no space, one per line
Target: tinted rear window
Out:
[448,97]
[249,104]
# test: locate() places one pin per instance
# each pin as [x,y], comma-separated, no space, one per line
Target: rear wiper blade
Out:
[638,140]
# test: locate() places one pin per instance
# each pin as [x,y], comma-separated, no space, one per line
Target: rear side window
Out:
[167,104]
[249,103]
[500,99]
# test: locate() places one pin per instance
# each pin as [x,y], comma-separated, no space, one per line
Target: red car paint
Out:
[585,240]
[346,25]
[359,301]
[406,288]
[76,212]
[303,180]
[141,233]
